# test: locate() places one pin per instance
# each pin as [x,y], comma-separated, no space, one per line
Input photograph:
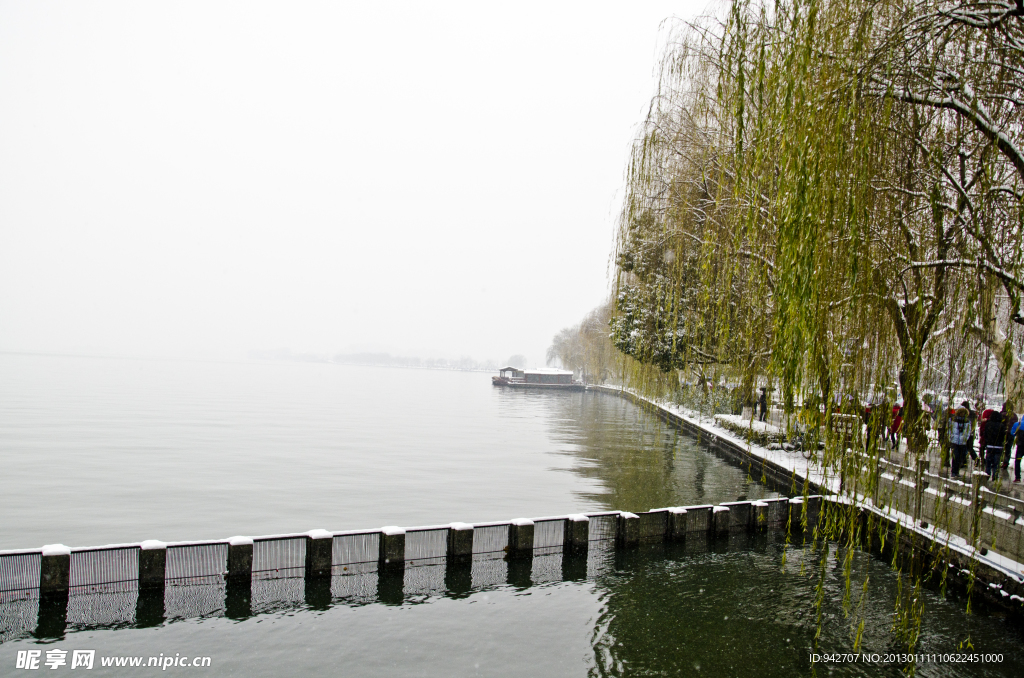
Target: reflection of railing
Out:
[244,574]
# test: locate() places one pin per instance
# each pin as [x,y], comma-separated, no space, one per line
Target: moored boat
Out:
[537,378]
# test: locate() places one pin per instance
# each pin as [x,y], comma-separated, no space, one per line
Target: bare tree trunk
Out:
[912,330]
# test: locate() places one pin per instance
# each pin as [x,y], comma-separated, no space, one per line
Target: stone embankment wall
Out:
[963,533]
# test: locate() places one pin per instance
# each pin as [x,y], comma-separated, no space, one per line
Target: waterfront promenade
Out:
[977,533]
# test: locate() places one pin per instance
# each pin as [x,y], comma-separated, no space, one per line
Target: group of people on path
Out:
[999,435]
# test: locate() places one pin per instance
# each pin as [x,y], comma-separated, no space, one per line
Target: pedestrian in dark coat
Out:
[994,433]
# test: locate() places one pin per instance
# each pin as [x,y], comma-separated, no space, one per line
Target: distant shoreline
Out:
[262,357]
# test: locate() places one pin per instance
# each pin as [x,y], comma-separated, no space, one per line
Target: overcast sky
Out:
[212,178]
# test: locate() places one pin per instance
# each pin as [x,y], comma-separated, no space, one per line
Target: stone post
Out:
[520,553]
[152,564]
[922,466]
[55,569]
[760,512]
[238,589]
[721,516]
[392,548]
[240,559]
[149,606]
[796,515]
[319,552]
[460,542]
[391,566]
[627,530]
[54,588]
[676,524]
[876,480]
[977,482]
[814,504]
[458,575]
[576,536]
[520,538]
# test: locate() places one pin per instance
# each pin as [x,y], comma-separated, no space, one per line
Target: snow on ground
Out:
[795,462]
[755,425]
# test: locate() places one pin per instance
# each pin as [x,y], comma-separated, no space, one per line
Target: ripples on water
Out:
[97,451]
[728,608]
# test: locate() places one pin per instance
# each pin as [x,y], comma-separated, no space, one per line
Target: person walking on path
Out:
[1009,419]
[1018,437]
[762,402]
[993,433]
[896,428]
[983,415]
[959,432]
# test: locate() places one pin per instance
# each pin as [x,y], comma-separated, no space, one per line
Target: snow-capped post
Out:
[149,606]
[520,538]
[55,569]
[460,542]
[922,466]
[796,515]
[458,573]
[676,523]
[576,537]
[977,481]
[760,509]
[721,515]
[877,477]
[627,530]
[392,548]
[813,503]
[778,515]
[54,591]
[152,564]
[575,541]
[520,552]
[240,559]
[319,548]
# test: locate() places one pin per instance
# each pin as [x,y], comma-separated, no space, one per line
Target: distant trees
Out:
[517,360]
[586,348]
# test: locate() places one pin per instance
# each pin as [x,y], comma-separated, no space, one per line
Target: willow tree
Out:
[962,64]
[693,294]
[828,193]
[586,347]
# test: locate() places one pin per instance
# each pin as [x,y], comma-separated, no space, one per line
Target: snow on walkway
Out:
[795,462]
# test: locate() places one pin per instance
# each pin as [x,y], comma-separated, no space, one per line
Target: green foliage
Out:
[826,197]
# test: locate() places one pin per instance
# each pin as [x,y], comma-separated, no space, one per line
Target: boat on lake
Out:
[537,378]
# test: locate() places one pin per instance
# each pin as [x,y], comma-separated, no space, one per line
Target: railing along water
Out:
[240,576]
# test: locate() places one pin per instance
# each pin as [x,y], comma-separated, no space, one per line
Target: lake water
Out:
[98,451]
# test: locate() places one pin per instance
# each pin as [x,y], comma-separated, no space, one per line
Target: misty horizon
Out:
[213,179]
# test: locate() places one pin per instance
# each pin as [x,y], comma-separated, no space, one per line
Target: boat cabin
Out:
[512,375]
[550,376]
[545,377]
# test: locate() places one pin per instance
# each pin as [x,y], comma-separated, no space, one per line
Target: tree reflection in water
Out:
[637,460]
